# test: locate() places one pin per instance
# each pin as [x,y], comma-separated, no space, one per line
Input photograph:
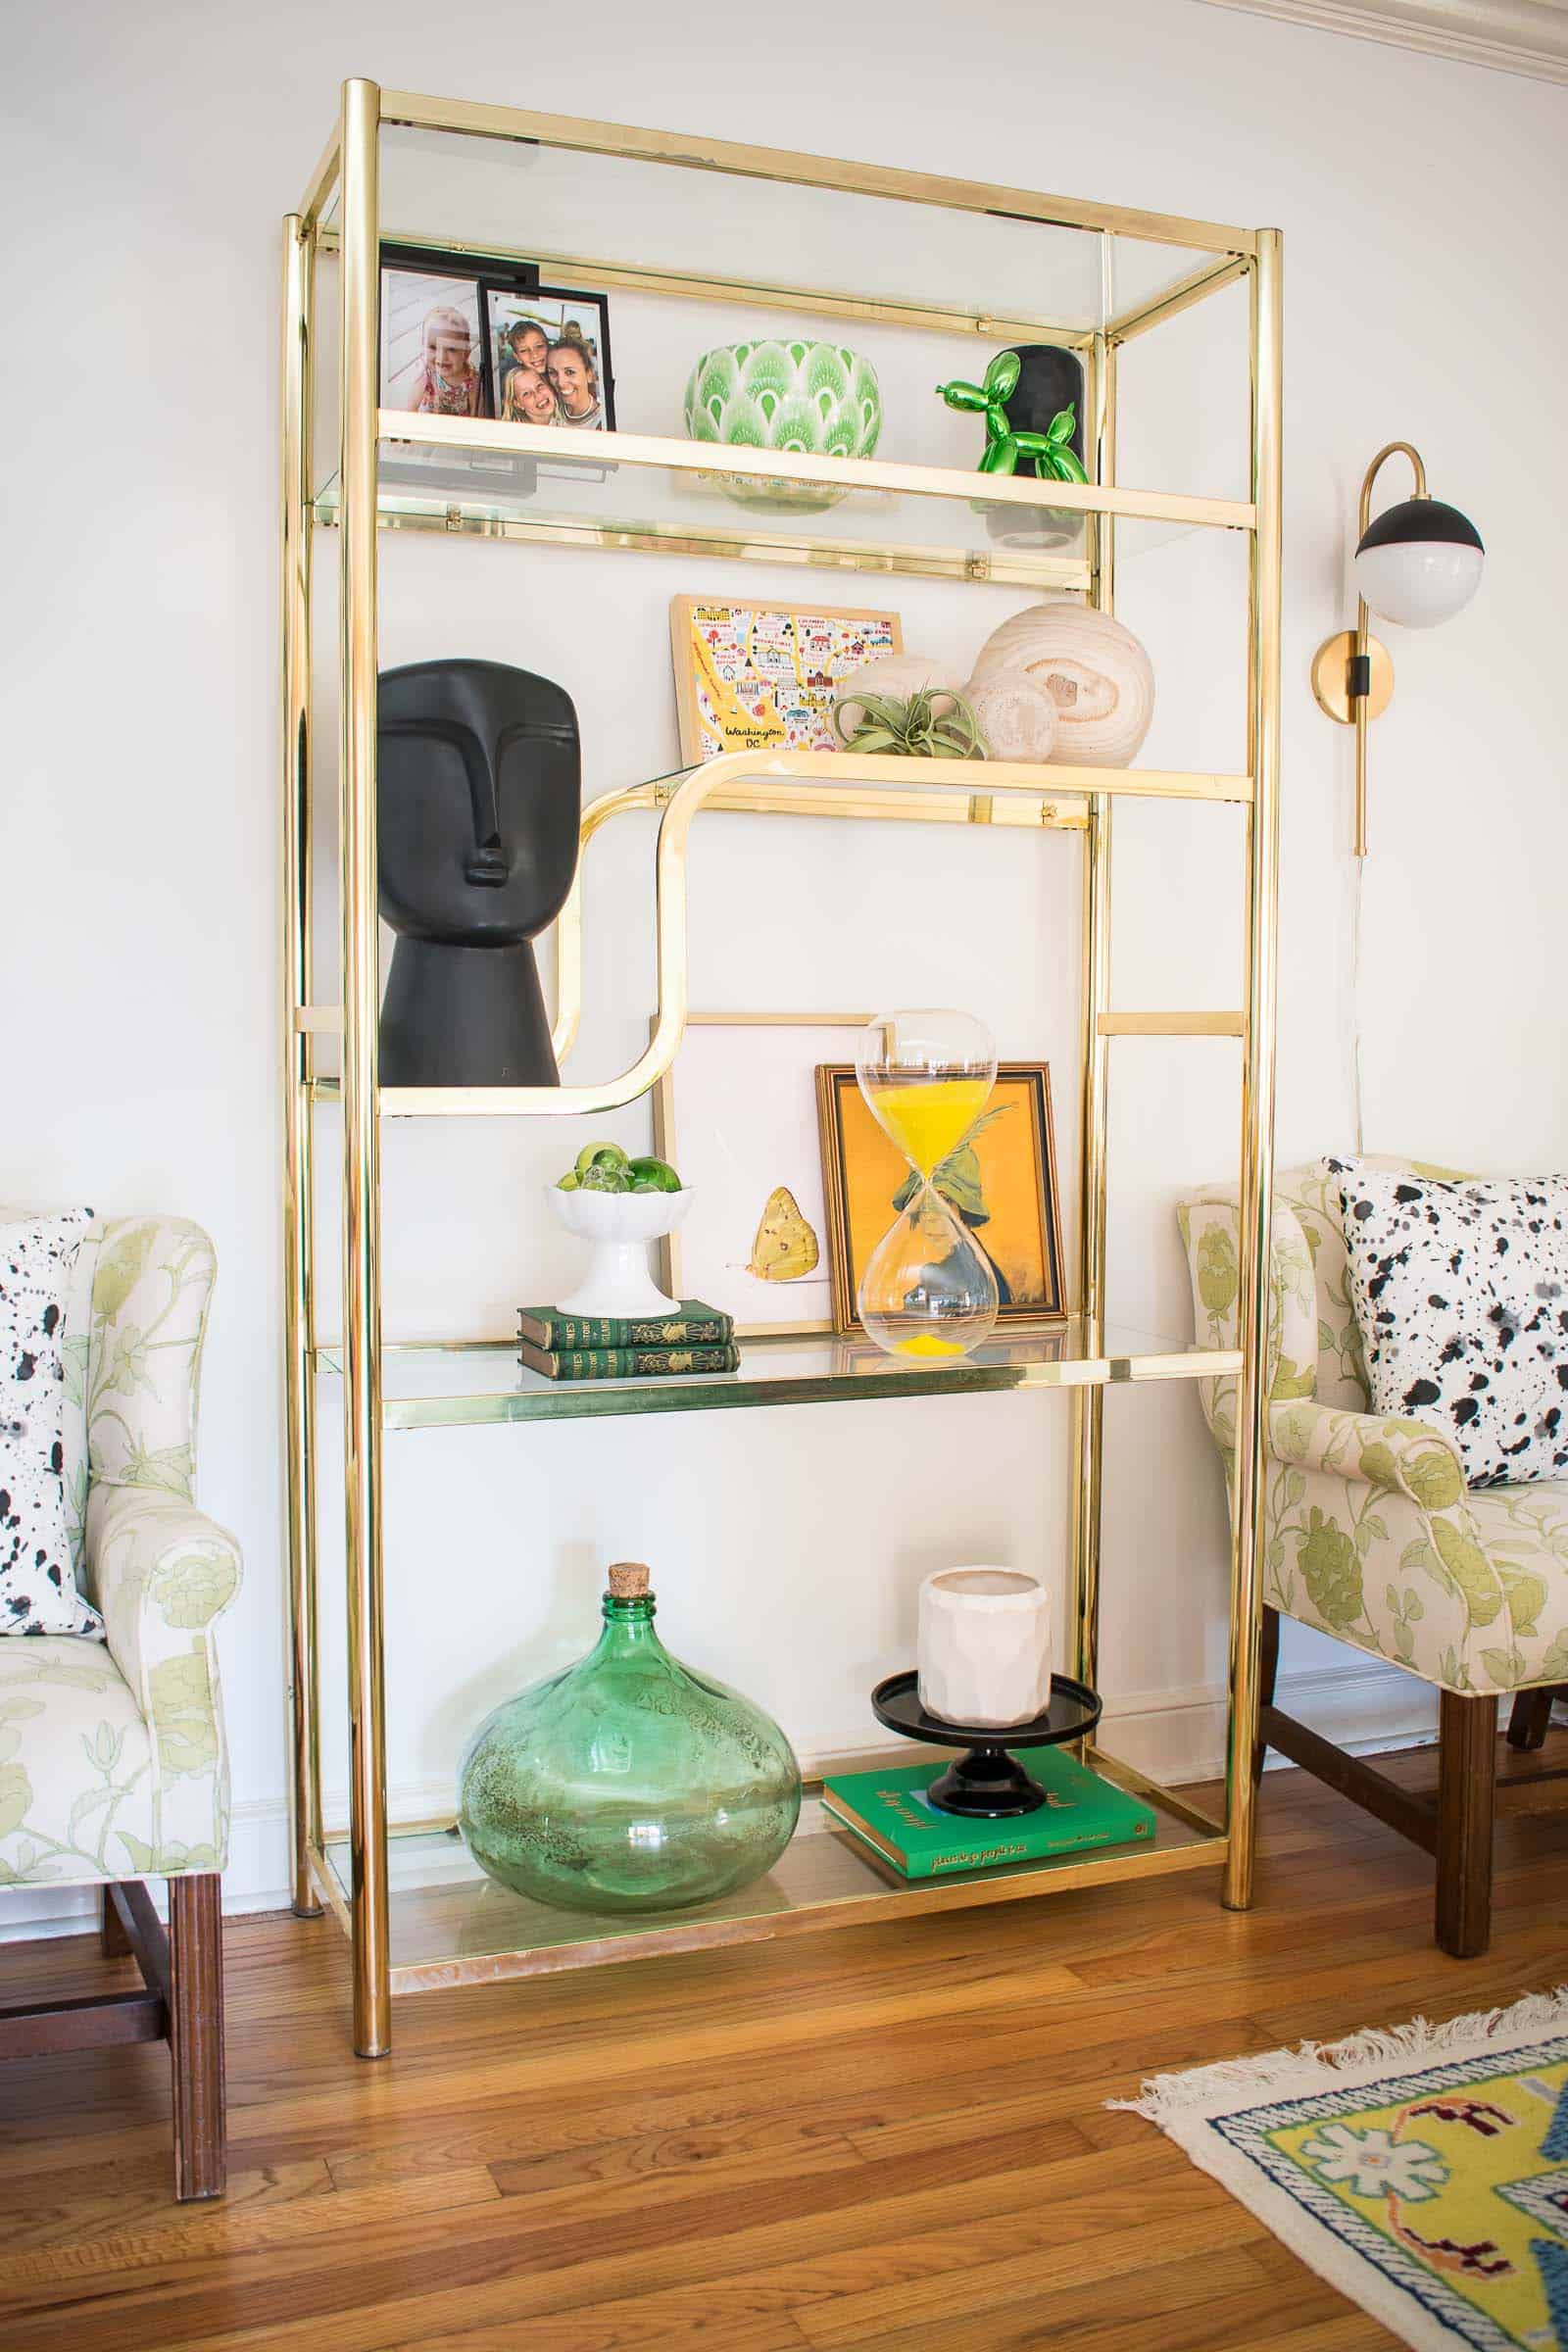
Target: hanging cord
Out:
[1358,876]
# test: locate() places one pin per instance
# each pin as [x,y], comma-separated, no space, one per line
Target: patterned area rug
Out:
[1422,2170]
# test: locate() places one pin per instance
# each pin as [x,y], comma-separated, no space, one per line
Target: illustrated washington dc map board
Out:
[752,677]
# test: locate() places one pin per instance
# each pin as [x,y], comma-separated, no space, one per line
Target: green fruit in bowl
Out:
[606,1168]
[653,1176]
[601,1155]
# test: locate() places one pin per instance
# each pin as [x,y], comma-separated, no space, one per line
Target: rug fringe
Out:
[1204,2090]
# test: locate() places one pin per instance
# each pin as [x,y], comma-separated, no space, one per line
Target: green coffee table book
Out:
[627,1363]
[690,1325]
[889,1814]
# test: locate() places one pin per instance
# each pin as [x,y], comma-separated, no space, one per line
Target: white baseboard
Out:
[1176,1737]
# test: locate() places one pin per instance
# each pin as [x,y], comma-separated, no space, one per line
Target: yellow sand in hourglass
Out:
[929,1118]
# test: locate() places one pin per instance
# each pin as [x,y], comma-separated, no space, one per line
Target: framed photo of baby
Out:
[432,348]
[550,357]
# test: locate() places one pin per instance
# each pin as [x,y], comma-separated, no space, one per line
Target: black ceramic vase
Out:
[479,798]
[1049,379]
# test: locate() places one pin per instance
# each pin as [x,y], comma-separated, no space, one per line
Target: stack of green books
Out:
[890,1816]
[693,1337]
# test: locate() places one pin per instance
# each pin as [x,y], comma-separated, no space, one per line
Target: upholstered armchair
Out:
[1373,1536]
[113,1767]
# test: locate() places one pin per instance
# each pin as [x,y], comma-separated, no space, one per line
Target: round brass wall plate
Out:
[1331,668]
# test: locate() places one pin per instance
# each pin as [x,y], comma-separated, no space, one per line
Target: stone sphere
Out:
[1094,671]
[1016,717]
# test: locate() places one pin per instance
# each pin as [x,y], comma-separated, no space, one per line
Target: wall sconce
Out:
[1419,564]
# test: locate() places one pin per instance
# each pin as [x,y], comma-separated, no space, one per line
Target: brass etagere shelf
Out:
[412,1912]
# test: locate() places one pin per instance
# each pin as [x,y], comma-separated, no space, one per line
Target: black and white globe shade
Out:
[1419,563]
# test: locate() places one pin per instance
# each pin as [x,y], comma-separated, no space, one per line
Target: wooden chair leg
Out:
[116,1944]
[1467,1771]
[1529,1721]
[196,2034]
[1268,1675]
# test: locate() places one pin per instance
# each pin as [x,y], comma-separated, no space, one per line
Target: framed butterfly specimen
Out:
[736,1114]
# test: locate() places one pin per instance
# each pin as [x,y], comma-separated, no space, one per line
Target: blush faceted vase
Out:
[984,1646]
[630,1783]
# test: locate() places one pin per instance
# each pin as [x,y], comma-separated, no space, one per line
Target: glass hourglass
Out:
[928,1290]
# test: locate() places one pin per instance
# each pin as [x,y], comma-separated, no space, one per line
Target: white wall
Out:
[146,163]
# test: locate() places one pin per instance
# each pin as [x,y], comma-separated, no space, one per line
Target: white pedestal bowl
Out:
[619,1227]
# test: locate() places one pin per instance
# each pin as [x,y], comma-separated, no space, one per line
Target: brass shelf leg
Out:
[1089,1409]
[299,1387]
[1257,1098]
[359,266]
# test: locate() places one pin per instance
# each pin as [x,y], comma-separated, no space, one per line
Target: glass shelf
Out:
[595,203]
[450,1925]
[433,1385]
[647,492]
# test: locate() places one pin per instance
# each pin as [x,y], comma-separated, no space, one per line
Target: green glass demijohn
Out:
[628,1784]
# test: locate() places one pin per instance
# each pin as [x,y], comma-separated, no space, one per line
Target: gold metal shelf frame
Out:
[450,1937]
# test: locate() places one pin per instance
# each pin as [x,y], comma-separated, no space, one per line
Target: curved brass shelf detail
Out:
[794,783]
[943,800]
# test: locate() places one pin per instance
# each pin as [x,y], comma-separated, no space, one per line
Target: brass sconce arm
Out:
[1420,564]
[1353,676]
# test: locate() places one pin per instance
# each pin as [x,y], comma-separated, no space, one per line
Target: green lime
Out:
[570,1182]
[656,1174]
[601,1155]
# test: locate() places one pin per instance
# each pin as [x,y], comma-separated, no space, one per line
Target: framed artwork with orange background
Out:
[1000,1182]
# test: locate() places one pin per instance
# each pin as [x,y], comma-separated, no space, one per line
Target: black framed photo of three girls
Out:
[466,336]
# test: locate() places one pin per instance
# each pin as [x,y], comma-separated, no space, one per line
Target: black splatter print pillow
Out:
[37,1591]
[1461,1290]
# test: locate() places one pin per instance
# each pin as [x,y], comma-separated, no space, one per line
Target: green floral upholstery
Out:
[112,1762]
[1372,1534]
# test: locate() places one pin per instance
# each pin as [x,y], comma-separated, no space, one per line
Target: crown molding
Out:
[1510,36]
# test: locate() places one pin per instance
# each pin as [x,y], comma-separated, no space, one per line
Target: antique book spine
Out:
[626,1363]
[695,1326]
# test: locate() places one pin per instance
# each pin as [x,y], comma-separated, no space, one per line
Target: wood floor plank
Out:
[221,2231]
[893,2136]
[1057,2282]
[1189,2305]
[522,2263]
[88,2201]
[631,2329]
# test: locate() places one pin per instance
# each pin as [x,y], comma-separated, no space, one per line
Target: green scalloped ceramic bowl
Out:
[816,398]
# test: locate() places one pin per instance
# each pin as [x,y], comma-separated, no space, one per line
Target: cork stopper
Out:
[628,1580]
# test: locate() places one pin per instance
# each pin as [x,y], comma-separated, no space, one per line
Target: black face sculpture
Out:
[479,796]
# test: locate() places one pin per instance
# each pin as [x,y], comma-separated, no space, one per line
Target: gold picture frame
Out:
[719,713]
[862,1170]
[803,1177]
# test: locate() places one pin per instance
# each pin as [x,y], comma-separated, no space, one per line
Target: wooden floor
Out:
[891,2137]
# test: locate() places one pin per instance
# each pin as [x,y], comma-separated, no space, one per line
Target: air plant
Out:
[1054,460]
[932,725]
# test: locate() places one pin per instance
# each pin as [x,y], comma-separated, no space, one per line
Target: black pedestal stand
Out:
[988,1784]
